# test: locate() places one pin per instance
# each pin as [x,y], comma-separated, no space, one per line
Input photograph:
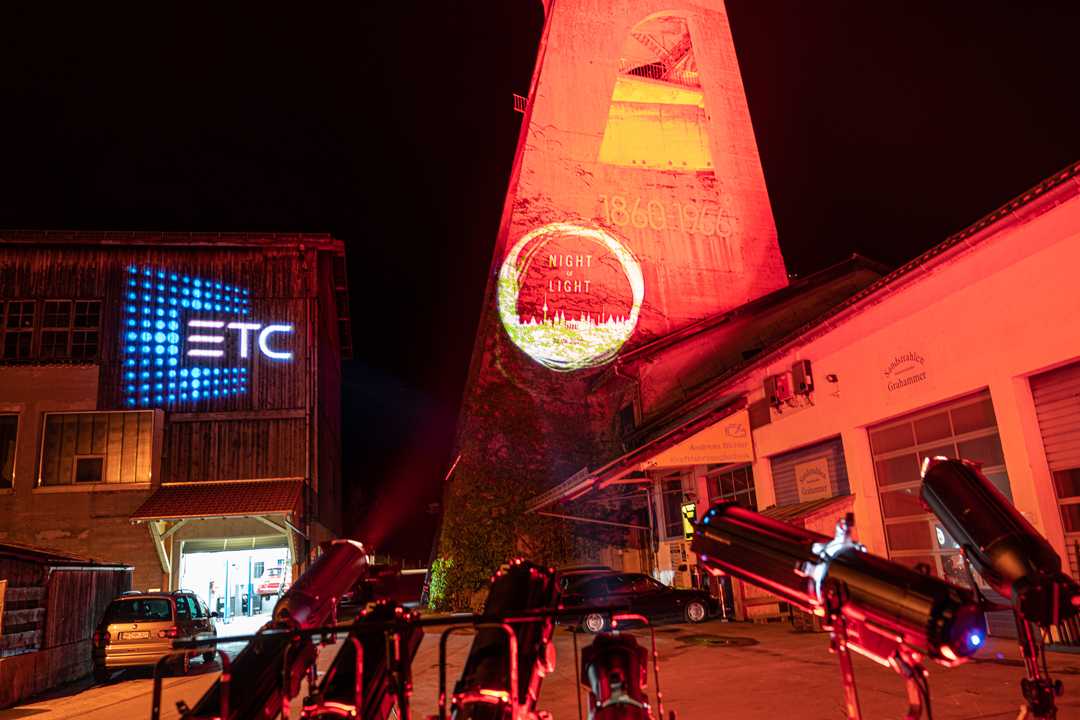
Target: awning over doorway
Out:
[668,437]
[173,501]
[819,515]
[274,503]
[800,511]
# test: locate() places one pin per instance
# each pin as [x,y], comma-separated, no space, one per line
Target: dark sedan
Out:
[635,593]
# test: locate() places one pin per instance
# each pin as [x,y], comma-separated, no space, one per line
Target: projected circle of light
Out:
[559,342]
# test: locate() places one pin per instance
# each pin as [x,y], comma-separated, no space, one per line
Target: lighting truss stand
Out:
[906,664]
[1038,689]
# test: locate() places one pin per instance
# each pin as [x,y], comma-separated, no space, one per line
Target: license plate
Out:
[136,635]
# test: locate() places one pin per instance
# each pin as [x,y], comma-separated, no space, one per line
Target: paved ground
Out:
[714,670]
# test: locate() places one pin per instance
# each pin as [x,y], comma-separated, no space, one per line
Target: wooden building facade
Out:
[134,366]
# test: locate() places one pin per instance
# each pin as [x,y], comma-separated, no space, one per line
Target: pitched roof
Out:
[49,556]
[787,513]
[221,499]
[323,241]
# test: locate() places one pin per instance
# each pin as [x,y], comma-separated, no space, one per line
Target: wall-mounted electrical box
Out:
[778,389]
[802,379]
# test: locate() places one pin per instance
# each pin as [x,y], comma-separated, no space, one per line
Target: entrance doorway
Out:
[235,583]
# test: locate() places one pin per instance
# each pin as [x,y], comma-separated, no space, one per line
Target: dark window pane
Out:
[672,511]
[1001,482]
[977,416]
[901,502]
[932,428]
[713,485]
[1070,517]
[954,571]
[986,450]
[903,469]
[892,438]
[1067,482]
[84,344]
[54,343]
[89,469]
[944,540]
[727,484]
[139,609]
[9,427]
[909,536]
[88,314]
[948,451]
[183,610]
[57,314]
[17,345]
[20,315]
[742,481]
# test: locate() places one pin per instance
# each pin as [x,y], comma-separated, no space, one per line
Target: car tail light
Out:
[102,637]
[169,632]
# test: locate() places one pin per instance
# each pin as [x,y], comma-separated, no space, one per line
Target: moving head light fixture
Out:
[615,670]
[512,650]
[371,675]
[1012,557]
[880,609]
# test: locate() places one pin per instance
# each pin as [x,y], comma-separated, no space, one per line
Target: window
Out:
[656,118]
[96,447]
[89,469]
[50,330]
[673,498]
[184,609]
[727,484]
[967,429]
[259,568]
[9,429]
[625,421]
[643,584]
[18,329]
[138,610]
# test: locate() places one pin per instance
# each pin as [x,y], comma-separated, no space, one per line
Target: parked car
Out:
[137,630]
[272,583]
[635,593]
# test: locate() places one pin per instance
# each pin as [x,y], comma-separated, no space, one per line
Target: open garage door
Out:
[236,577]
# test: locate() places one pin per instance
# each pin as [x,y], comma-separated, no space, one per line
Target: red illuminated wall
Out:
[637,148]
[661,155]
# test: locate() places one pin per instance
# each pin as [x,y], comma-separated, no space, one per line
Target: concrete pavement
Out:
[713,670]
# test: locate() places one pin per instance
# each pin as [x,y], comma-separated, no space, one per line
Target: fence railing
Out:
[657,71]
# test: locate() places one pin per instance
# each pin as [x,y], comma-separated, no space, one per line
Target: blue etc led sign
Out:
[187,339]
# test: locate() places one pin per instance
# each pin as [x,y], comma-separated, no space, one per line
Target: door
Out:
[648,597]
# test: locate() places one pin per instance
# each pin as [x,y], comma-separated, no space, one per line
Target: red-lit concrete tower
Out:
[636,206]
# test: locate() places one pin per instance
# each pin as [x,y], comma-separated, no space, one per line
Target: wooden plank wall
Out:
[23,605]
[282,282]
[77,600]
[235,450]
[124,439]
[287,284]
[328,433]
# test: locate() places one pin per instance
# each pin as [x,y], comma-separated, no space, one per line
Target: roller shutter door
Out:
[785,468]
[1057,406]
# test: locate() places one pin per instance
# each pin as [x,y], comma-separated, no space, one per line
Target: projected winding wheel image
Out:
[570,296]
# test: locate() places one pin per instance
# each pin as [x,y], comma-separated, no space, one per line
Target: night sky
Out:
[882,127]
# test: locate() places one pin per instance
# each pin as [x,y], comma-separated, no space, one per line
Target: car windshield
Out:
[138,610]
